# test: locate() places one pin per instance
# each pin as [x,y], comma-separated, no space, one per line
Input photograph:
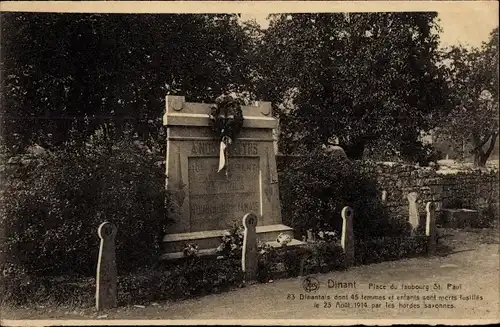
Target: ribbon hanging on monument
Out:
[225,142]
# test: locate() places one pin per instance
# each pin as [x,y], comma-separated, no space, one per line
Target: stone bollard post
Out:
[106,281]
[414,217]
[310,236]
[347,237]
[249,256]
[384,197]
[430,227]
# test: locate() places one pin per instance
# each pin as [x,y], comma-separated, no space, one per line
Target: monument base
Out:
[208,241]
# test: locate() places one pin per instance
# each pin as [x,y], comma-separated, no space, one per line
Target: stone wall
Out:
[456,188]
[470,188]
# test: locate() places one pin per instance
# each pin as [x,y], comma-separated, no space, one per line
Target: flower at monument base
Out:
[283,239]
[227,238]
[330,236]
[221,247]
[190,250]
[234,247]
[262,246]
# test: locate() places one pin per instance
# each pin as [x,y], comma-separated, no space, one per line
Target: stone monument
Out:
[206,202]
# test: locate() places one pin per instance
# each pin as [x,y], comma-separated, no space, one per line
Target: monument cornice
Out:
[181,113]
[202,138]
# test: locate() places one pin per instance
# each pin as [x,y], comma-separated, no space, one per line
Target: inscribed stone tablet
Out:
[217,199]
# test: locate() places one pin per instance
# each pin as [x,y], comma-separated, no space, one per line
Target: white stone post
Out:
[430,227]
[384,197]
[107,275]
[413,210]
[249,256]
[347,238]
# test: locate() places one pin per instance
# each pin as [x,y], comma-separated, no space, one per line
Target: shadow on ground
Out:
[453,241]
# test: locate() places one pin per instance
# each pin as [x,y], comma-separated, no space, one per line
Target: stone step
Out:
[294,242]
[208,241]
[271,232]
[179,255]
[213,251]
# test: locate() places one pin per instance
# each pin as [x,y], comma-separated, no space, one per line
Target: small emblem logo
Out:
[310,284]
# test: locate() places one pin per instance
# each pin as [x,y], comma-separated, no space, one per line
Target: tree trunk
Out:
[480,155]
[479,160]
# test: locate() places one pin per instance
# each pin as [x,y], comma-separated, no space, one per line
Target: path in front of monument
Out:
[472,266]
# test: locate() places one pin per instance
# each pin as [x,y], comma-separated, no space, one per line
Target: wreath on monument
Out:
[226,118]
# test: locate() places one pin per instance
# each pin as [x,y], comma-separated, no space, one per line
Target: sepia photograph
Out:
[249,163]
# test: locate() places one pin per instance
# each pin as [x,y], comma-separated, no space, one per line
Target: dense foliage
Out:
[53,203]
[347,78]
[82,70]
[183,280]
[352,79]
[314,190]
[473,78]
[379,249]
